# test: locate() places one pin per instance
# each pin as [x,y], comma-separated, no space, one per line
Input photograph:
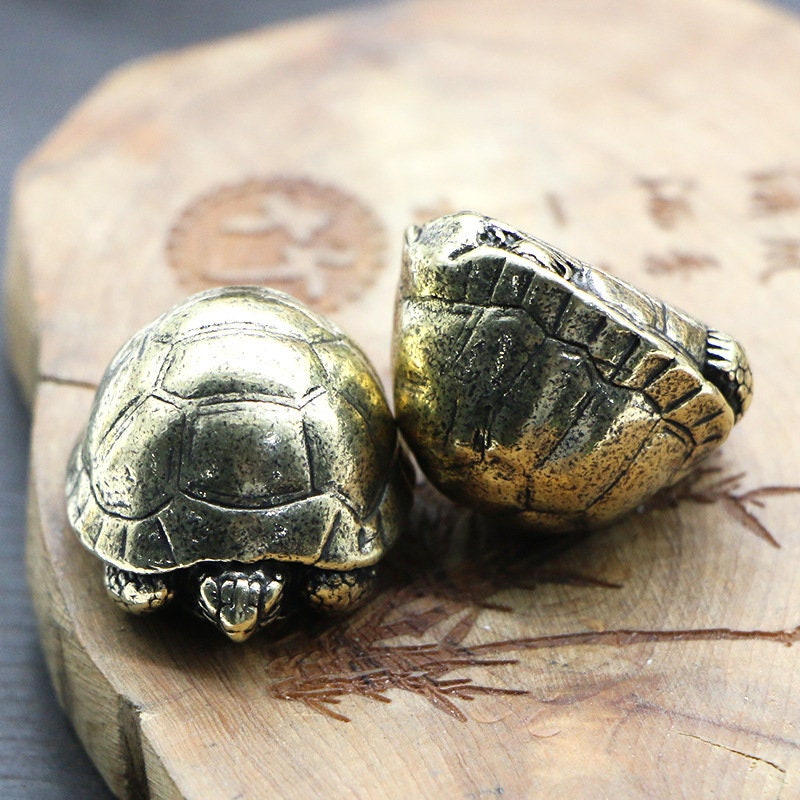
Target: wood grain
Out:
[656,139]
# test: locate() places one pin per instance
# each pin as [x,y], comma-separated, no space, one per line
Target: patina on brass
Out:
[532,385]
[240,454]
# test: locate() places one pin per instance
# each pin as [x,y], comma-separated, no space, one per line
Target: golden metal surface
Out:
[237,447]
[531,385]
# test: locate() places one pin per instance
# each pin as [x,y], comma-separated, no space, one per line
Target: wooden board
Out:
[657,139]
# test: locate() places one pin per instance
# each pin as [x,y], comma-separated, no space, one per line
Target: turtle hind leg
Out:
[728,369]
[338,590]
[238,599]
[136,592]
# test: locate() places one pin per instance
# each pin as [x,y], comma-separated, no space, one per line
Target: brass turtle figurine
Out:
[531,385]
[241,454]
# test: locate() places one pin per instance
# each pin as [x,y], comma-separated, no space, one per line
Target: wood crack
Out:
[135,774]
[748,756]
[59,381]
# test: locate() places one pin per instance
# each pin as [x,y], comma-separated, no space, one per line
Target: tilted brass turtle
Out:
[532,385]
[240,454]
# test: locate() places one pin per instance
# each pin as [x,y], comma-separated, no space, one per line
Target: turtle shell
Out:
[238,426]
[529,383]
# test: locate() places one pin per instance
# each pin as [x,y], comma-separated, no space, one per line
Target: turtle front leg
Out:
[338,590]
[136,592]
[238,600]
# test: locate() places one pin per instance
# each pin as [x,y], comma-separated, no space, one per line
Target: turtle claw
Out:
[239,601]
[728,369]
[339,590]
[136,592]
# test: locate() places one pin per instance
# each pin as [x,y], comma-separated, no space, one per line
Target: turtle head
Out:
[728,369]
[239,601]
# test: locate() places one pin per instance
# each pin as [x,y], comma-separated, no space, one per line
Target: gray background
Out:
[51,53]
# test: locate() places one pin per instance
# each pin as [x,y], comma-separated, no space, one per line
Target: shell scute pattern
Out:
[139,482]
[239,426]
[529,383]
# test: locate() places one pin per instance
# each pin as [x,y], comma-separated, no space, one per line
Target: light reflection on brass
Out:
[240,455]
[532,385]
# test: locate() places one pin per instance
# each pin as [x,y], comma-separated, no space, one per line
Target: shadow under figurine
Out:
[540,389]
[240,454]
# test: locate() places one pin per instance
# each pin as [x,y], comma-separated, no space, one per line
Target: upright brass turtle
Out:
[532,385]
[240,453]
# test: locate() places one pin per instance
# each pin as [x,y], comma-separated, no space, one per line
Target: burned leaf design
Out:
[555,205]
[432,560]
[775,191]
[668,200]
[782,255]
[679,261]
[415,635]
[710,484]
[358,658]
[431,592]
